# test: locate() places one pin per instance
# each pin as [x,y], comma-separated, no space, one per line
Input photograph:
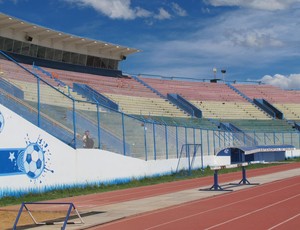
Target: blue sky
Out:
[251,39]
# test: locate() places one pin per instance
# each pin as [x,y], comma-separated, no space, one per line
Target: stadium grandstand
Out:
[55,86]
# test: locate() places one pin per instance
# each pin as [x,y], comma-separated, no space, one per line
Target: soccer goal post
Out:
[189,153]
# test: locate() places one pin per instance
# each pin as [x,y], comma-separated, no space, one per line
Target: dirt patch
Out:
[8,217]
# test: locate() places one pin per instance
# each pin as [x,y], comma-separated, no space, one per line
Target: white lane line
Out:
[250,213]
[283,222]
[213,209]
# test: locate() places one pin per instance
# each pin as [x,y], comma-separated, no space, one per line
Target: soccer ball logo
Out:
[1,122]
[32,161]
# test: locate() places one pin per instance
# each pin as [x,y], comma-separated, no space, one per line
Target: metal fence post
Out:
[214,141]
[185,132]
[208,143]
[74,123]
[194,135]
[145,140]
[99,127]
[123,130]
[154,140]
[177,148]
[166,136]
[201,139]
[38,102]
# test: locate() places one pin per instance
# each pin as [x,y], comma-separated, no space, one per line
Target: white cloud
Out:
[256,38]
[122,9]
[285,82]
[162,15]
[242,41]
[115,9]
[178,10]
[14,1]
[142,13]
[205,10]
[270,5]
[238,40]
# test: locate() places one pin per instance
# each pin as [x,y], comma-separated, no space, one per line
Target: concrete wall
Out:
[292,153]
[31,160]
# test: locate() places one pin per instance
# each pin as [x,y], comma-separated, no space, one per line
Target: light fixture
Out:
[215,72]
[223,71]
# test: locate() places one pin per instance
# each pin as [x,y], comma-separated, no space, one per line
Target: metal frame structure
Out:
[243,181]
[185,148]
[71,208]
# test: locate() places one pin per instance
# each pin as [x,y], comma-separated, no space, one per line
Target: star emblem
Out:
[11,156]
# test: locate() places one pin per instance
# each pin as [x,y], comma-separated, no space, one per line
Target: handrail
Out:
[34,74]
[36,111]
[48,74]
[150,87]
[95,96]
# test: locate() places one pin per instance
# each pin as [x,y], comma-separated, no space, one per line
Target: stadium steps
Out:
[150,106]
[250,101]
[160,95]
[181,121]
[213,99]
[229,110]
[261,125]
[287,101]
[291,110]
[118,86]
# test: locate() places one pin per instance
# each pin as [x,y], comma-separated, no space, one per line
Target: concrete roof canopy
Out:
[21,30]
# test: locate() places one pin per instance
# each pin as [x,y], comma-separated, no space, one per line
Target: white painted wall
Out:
[292,153]
[73,167]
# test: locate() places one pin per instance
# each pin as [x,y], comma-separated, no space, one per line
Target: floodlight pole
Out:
[215,72]
[223,71]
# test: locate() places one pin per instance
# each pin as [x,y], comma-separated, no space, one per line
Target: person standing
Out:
[87,140]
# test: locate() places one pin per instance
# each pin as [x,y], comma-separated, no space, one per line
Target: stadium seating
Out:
[287,101]
[132,97]
[218,102]
[215,100]
[261,125]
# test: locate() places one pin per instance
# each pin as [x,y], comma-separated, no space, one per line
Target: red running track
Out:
[88,202]
[193,215]
[273,205]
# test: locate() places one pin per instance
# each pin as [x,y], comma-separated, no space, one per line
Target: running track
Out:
[273,205]
[87,202]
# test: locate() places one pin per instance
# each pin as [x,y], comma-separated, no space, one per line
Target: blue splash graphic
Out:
[34,160]
[1,122]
